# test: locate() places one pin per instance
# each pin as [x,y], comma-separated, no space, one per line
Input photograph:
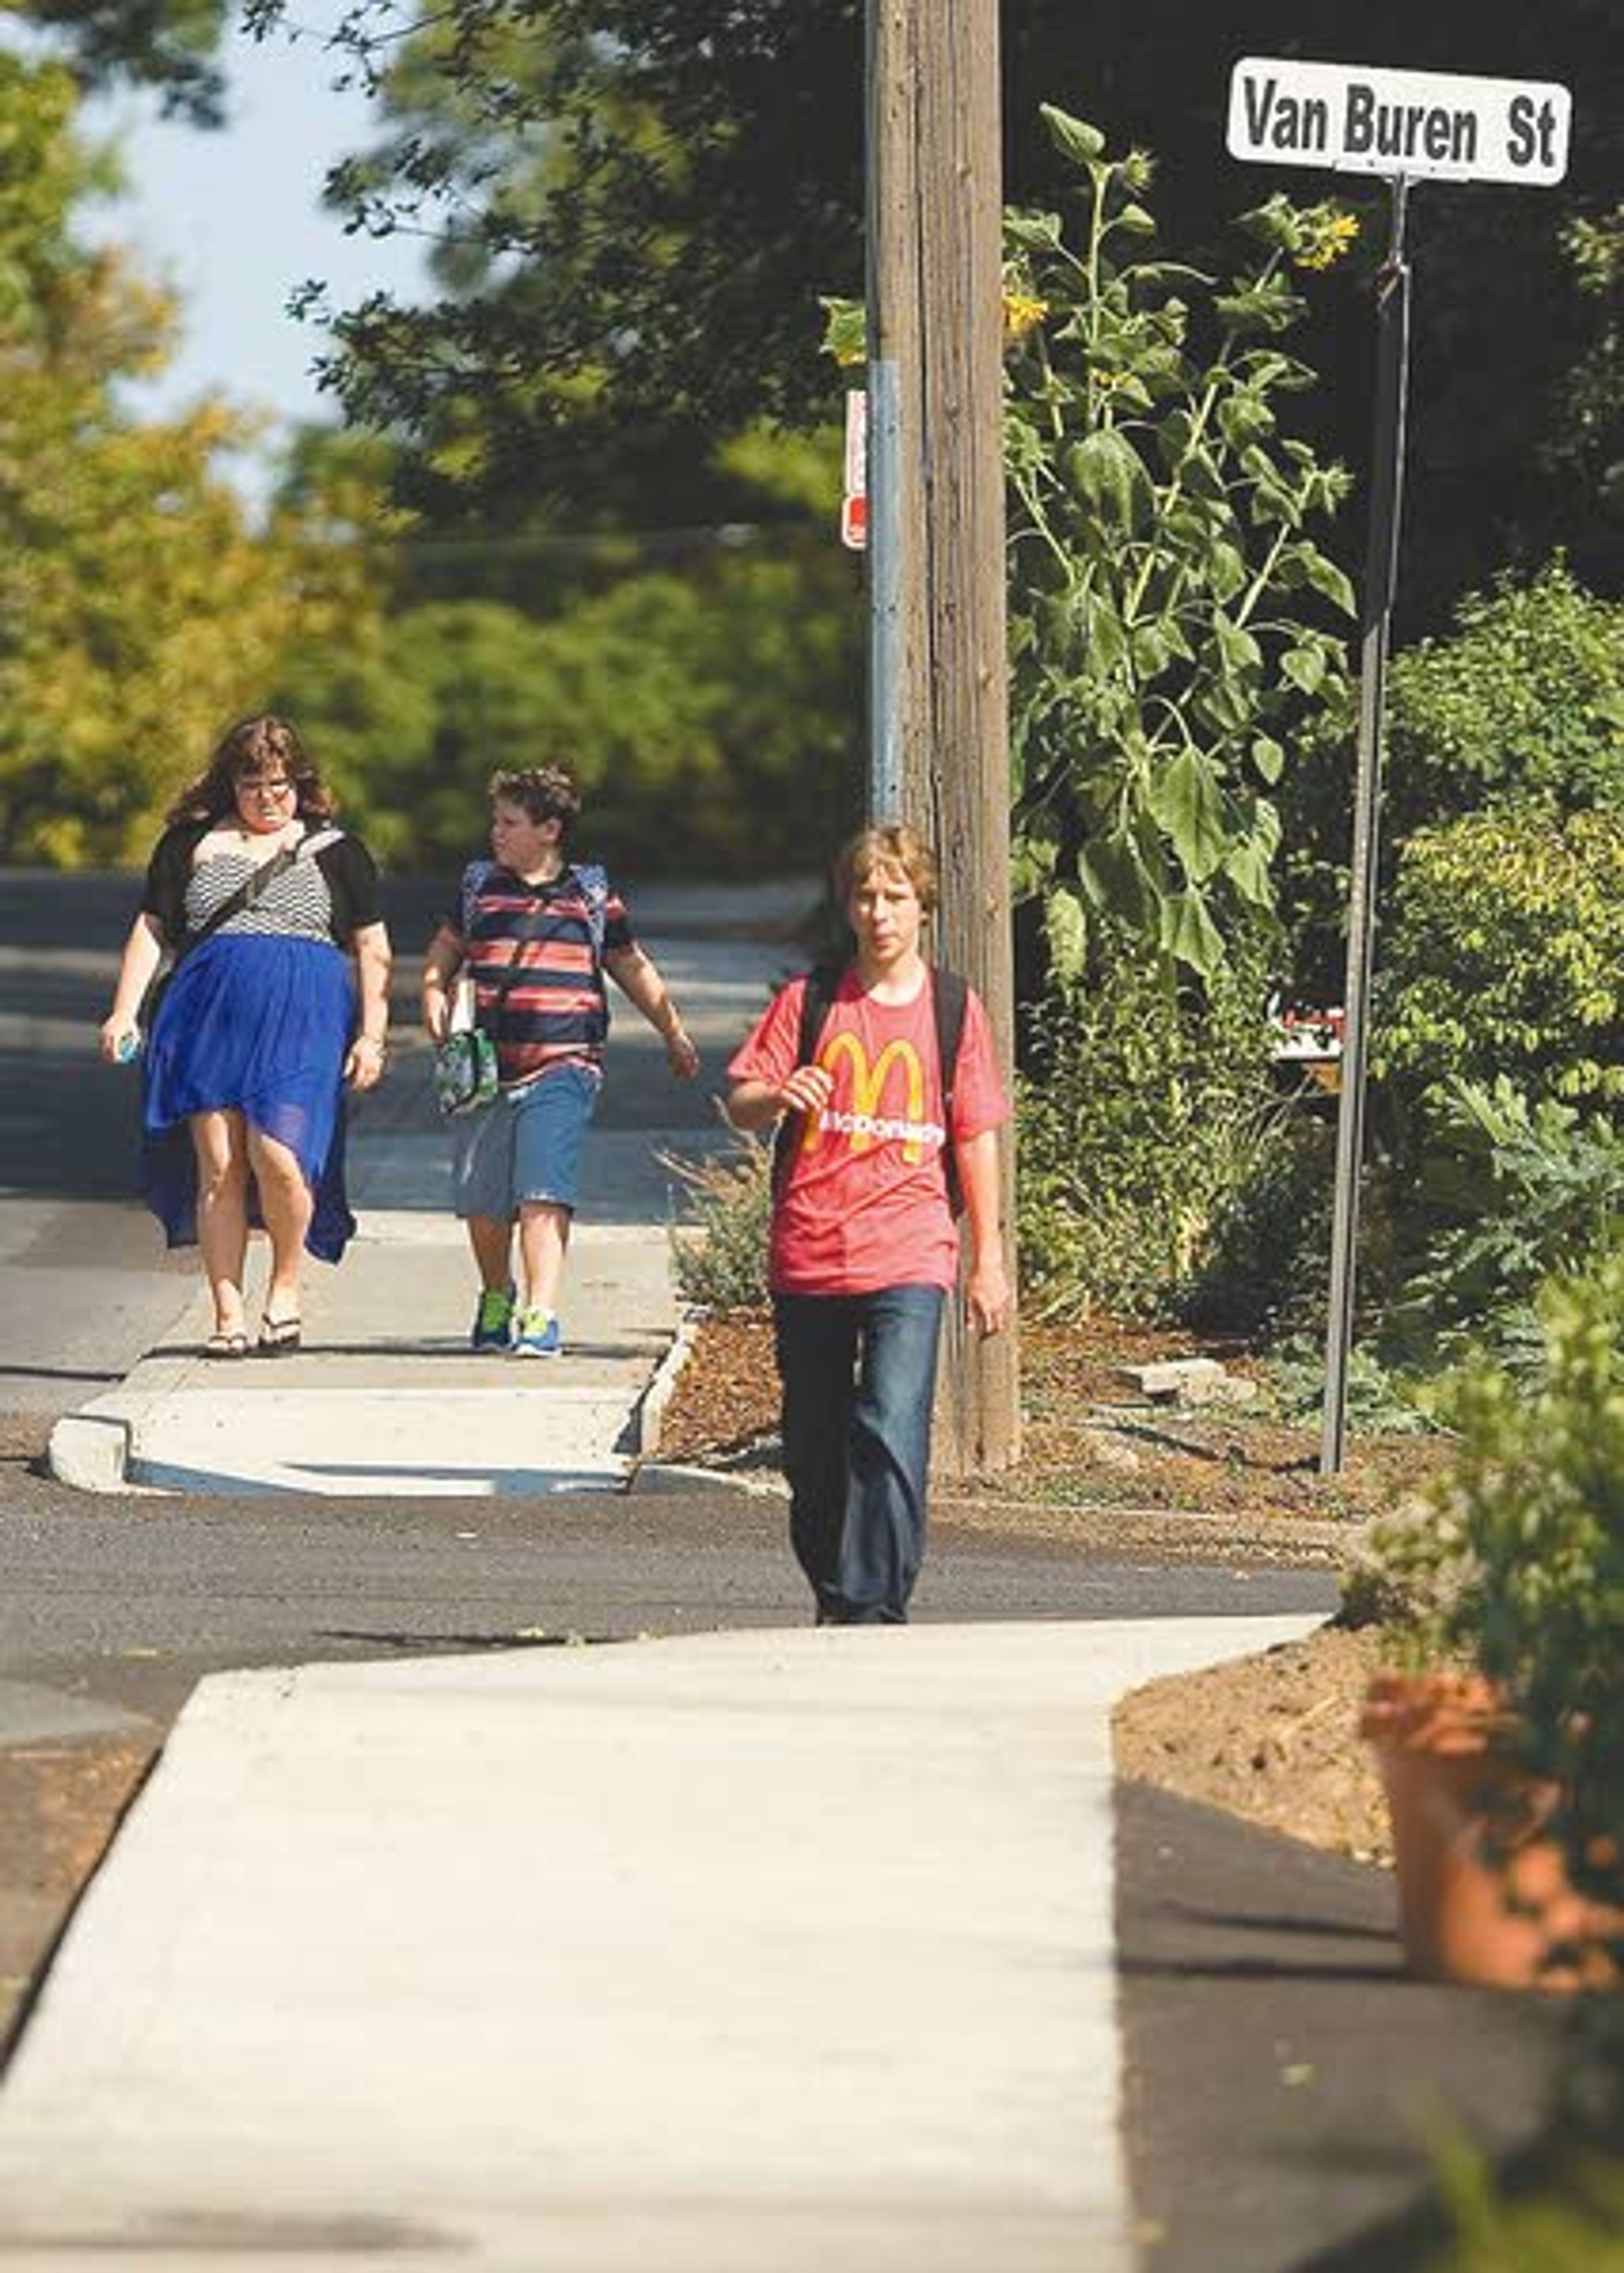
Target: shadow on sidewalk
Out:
[1288,2086]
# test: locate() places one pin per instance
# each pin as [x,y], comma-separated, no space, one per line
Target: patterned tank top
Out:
[297,905]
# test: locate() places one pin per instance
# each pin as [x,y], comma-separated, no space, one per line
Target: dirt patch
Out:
[1272,1738]
[24,1438]
[1089,1440]
[724,1406]
[60,1804]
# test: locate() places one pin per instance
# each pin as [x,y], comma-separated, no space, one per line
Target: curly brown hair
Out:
[542,793]
[249,747]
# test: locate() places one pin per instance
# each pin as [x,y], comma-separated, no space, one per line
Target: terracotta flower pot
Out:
[1484,1893]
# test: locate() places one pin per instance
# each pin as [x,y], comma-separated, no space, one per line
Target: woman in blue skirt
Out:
[278,996]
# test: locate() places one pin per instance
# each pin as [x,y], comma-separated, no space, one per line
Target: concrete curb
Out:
[91,1449]
[674,1476]
[651,1406]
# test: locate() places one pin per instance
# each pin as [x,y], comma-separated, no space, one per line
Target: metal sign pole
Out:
[1380,576]
[881,483]
[885,732]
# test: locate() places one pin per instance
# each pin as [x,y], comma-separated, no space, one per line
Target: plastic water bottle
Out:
[129,1047]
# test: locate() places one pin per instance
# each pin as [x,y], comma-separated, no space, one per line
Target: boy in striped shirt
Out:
[535,932]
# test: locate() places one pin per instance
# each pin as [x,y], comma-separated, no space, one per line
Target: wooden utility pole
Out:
[936,490]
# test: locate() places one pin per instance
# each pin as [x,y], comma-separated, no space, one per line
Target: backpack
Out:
[949,995]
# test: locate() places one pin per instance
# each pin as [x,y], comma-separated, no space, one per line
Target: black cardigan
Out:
[349,869]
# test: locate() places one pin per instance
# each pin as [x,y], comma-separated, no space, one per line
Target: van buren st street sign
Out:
[1422,126]
[1404,126]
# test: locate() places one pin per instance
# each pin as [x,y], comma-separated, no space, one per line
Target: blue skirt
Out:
[256,1025]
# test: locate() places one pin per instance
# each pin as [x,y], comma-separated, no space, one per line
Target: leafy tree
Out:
[342,547]
[137,610]
[595,178]
[710,719]
[704,680]
[167,45]
[641,200]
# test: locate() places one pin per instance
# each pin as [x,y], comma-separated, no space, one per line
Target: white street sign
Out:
[1429,125]
[857,441]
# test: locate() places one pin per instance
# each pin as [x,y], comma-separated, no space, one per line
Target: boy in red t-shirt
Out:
[864,1247]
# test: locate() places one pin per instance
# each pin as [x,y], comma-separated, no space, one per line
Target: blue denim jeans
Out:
[859,1373]
[526,1144]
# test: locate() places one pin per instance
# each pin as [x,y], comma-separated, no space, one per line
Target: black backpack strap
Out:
[822,985]
[950,997]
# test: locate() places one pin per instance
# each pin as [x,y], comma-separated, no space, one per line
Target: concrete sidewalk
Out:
[386,1398]
[756,1950]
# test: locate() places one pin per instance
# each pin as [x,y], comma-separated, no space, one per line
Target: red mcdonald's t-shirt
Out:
[864,1204]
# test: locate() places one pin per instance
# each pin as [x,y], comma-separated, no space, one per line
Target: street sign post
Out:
[1404,126]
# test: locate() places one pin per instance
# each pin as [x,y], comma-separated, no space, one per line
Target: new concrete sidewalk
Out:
[706,1955]
[386,1396]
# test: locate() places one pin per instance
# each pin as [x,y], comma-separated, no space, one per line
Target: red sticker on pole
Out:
[854,523]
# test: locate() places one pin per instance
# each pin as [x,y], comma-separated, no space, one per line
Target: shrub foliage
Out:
[1506,955]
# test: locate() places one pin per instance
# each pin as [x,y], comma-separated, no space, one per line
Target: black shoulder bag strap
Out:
[491,1024]
[949,995]
[822,985]
[246,893]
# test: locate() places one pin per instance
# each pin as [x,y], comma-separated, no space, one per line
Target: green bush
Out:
[1144,1108]
[1515,1192]
[719,1240]
[1264,1266]
[1380,1402]
[1504,955]
[1513,1563]
[1525,701]
[1565,2214]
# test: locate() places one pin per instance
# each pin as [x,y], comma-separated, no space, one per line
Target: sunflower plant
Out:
[1174,621]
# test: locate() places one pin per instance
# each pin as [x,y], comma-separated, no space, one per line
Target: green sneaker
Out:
[493,1320]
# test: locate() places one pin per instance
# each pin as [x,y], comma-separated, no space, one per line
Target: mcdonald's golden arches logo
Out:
[863,1121]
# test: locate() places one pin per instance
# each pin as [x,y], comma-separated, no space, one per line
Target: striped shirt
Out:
[554,1009]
